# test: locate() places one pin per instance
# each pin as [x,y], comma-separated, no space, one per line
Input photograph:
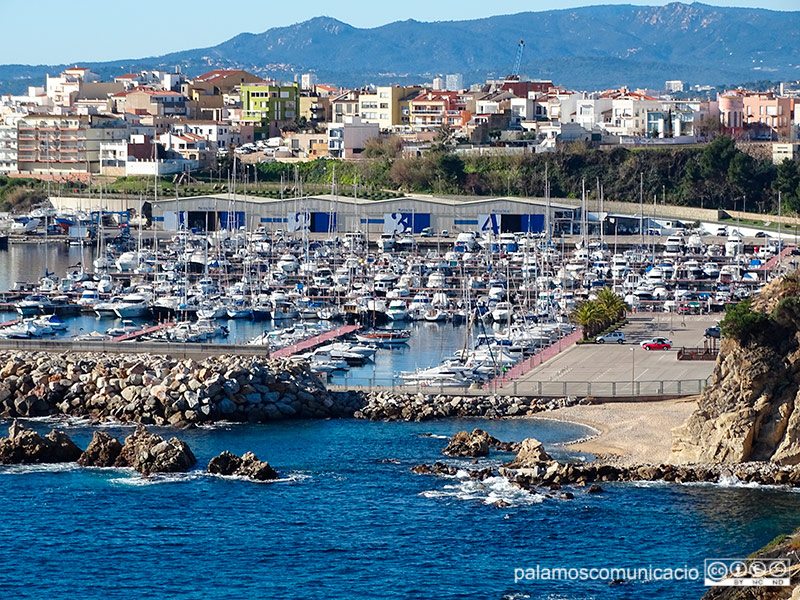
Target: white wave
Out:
[594,430]
[39,468]
[487,491]
[158,478]
[436,436]
[289,478]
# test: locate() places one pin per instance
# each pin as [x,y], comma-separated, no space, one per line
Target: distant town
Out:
[154,123]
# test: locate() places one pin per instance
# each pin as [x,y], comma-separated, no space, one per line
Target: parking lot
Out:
[612,362]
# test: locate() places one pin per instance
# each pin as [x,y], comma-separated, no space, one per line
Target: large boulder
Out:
[468,444]
[530,453]
[25,446]
[102,451]
[149,453]
[247,466]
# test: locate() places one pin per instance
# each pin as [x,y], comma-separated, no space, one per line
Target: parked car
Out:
[761,234]
[444,233]
[427,232]
[614,336]
[712,332]
[658,343]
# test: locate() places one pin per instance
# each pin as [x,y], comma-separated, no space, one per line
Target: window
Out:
[284,94]
[384,94]
[384,105]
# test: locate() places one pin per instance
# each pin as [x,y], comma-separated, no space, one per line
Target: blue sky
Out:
[52,32]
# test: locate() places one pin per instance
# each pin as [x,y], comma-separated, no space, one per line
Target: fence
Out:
[539,389]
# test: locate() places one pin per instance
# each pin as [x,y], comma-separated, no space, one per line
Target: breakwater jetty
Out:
[169,391]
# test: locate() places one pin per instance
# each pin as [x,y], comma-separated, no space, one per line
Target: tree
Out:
[614,307]
[717,156]
[787,182]
[589,315]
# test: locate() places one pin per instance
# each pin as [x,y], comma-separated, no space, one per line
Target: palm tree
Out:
[589,315]
[614,307]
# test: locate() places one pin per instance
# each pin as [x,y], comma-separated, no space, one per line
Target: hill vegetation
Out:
[717,176]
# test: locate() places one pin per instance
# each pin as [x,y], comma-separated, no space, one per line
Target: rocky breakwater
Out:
[751,411]
[534,468]
[161,390]
[390,406]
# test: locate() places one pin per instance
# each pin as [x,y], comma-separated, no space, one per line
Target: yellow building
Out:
[388,106]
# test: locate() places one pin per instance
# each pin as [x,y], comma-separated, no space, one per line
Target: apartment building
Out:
[65,145]
[270,102]
[388,106]
[64,88]
[148,101]
[347,139]
[315,108]
[8,149]
[345,105]
[768,116]
[432,109]
[217,134]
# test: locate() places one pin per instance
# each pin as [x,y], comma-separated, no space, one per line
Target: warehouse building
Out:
[335,214]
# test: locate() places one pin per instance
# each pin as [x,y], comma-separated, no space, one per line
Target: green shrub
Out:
[742,323]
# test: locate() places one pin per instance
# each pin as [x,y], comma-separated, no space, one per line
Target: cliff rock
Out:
[751,411]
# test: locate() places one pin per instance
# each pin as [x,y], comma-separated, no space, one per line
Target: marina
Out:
[406,311]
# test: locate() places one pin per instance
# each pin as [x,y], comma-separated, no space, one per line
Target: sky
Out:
[51,32]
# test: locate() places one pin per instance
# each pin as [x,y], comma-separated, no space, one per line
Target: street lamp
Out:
[633,369]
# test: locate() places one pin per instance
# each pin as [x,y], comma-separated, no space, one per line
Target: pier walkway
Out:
[174,349]
[315,341]
[142,332]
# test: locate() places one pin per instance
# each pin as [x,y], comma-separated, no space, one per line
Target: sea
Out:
[349,520]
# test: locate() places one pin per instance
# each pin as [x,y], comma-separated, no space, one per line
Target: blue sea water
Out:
[343,524]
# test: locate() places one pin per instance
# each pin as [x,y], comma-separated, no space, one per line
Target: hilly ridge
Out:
[583,48]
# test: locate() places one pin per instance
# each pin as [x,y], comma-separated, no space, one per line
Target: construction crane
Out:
[517,63]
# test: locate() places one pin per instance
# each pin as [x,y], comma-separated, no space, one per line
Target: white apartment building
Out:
[347,139]
[217,134]
[454,82]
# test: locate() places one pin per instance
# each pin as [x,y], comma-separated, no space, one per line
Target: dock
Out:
[142,332]
[315,341]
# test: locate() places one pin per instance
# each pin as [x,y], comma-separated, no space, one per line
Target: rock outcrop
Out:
[25,446]
[247,466]
[751,411]
[149,453]
[102,451]
[530,453]
[476,444]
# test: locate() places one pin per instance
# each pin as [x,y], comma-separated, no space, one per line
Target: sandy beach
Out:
[634,432]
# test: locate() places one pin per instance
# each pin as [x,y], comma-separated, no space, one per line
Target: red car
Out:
[657,344]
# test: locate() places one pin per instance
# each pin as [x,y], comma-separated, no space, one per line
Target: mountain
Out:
[584,48]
